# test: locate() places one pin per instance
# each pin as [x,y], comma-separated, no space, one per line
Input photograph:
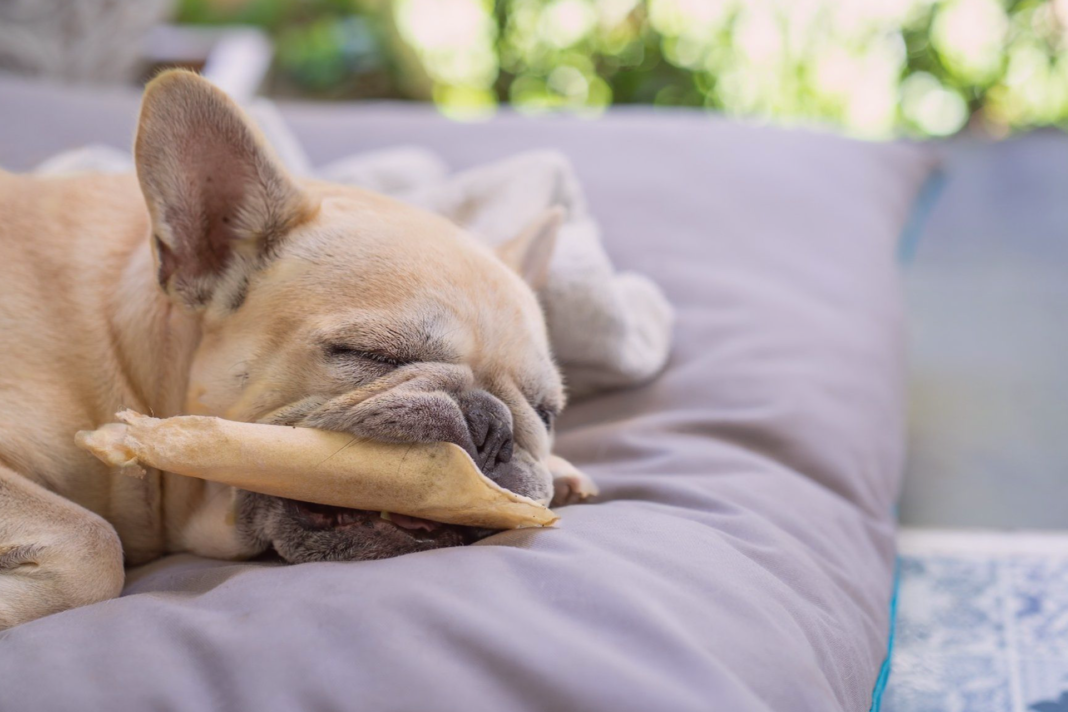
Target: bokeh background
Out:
[870,68]
[874,68]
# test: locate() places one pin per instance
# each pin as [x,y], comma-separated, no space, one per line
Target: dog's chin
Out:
[302,532]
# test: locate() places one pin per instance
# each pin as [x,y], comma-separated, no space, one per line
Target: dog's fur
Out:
[244,293]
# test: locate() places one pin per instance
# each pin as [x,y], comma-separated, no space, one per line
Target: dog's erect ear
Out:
[531,251]
[219,198]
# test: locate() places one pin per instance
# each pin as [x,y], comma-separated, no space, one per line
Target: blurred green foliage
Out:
[323,48]
[874,68]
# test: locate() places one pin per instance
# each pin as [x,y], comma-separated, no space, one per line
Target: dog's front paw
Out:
[570,485]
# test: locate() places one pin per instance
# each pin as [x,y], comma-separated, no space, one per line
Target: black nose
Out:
[491,431]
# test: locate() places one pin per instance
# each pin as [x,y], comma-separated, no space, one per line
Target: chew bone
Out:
[436,481]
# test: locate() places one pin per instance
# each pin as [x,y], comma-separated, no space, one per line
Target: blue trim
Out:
[884,671]
[908,243]
[926,198]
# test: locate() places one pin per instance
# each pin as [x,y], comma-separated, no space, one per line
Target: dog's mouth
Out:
[324,517]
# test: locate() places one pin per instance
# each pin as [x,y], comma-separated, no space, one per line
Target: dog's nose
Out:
[489,423]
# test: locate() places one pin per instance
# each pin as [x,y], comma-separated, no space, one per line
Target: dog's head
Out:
[331,307]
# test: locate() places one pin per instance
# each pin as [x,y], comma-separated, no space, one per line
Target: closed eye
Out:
[341,351]
[547,415]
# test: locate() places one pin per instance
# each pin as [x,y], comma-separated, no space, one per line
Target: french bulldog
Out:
[215,283]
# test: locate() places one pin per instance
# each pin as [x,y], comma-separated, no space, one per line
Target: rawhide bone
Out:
[437,481]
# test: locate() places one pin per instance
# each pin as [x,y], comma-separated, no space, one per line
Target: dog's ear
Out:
[220,200]
[530,252]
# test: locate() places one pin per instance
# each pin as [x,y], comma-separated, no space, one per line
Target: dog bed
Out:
[741,556]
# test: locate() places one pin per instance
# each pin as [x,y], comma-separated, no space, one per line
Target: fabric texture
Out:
[741,554]
[981,624]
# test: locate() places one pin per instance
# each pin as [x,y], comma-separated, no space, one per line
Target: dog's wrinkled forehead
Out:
[369,273]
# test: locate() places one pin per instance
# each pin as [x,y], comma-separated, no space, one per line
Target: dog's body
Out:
[282,301]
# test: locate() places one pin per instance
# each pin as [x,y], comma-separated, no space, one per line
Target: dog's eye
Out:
[343,351]
[547,416]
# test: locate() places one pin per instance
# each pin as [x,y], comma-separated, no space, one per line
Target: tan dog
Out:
[282,301]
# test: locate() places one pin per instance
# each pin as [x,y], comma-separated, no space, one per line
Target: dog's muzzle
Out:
[473,419]
[489,426]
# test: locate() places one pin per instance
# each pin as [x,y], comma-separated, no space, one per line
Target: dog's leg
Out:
[570,484]
[54,554]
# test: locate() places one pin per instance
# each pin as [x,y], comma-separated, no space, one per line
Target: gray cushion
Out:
[741,557]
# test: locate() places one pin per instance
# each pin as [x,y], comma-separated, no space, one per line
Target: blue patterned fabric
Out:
[981,633]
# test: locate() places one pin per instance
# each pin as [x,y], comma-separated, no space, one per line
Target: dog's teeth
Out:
[385,515]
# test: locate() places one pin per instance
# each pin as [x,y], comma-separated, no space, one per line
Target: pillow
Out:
[742,553]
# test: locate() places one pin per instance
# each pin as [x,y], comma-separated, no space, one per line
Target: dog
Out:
[214,283]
